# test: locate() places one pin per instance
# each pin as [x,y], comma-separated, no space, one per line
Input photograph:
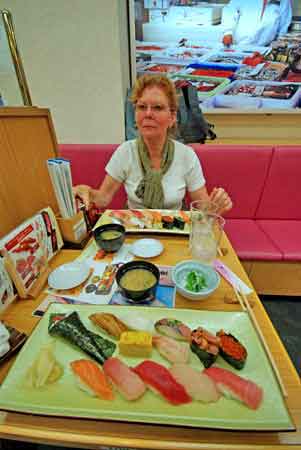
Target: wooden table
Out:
[94,433]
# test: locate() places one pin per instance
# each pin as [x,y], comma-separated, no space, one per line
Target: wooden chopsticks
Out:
[246,307]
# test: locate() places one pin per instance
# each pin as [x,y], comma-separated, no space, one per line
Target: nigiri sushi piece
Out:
[173,328]
[172,350]
[159,379]
[228,383]
[204,345]
[198,385]
[185,216]
[145,217]
[157,216]
[91,378]
[122,216]
[127,382]
[138,323]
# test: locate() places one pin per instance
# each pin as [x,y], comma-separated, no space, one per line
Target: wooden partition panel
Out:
[27,140]
[255,126]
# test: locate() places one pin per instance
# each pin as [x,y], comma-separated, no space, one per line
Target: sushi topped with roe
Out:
[232,350]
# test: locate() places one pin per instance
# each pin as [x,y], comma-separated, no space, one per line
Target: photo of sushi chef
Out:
[156,170]
[256,22]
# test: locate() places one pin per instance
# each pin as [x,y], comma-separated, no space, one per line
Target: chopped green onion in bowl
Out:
[195,281]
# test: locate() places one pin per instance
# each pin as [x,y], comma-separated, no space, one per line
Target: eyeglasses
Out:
[156,109]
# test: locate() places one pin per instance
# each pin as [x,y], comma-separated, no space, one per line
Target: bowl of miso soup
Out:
[110,236]
[138,280]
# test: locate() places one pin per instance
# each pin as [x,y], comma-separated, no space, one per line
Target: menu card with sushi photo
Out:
[7,289]
[28,249]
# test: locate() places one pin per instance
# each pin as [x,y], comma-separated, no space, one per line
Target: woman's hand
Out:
[221,199]
[84,193]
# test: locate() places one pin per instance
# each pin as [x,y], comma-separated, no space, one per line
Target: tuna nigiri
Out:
[91,378]
[171,349]
[128,383]
[228,383]
[160,379]
[198,385]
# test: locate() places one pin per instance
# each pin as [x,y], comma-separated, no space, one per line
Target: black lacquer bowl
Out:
[138,296]
[109,245]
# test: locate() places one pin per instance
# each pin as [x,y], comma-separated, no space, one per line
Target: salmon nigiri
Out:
[228,383]
[92,379]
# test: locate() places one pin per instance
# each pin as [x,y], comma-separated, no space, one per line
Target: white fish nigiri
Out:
[172,350]
[198,385]
[138,323]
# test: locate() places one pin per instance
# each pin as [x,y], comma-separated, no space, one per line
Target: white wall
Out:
[75,57]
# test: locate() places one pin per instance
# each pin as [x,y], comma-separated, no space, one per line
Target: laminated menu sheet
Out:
[7,289]
[27,250]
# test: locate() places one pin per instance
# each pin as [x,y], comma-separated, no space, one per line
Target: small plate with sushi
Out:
[147,248]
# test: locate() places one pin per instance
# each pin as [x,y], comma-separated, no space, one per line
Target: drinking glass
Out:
[205,233]
[198,210]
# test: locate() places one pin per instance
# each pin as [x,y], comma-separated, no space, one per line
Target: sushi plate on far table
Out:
[148,220]
[64,398]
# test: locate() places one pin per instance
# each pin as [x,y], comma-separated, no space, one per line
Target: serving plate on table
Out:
[146,220]
[64,398]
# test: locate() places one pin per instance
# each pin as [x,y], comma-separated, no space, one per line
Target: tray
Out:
[124,216]
[16,340]
[219,82]
[63,398]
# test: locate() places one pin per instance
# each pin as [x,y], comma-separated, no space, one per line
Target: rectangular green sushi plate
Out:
[156,228]
[64,398]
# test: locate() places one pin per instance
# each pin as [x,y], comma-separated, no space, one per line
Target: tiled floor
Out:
[285,313]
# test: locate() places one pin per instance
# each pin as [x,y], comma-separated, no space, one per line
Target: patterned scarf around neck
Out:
[150,188]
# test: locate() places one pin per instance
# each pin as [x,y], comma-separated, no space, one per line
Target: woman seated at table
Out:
[156,170]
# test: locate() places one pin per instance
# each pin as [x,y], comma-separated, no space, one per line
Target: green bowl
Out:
[182,269]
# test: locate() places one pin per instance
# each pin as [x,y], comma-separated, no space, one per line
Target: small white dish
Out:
[147,248]
[68,275]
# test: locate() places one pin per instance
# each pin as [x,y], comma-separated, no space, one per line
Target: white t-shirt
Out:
[184,174]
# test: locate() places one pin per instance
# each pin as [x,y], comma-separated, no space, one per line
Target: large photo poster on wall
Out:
[239,54]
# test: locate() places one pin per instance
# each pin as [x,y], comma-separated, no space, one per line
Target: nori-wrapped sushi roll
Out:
[71,328]
[179,223]
[232,350]
[205,346]
[106,346]
[167,222]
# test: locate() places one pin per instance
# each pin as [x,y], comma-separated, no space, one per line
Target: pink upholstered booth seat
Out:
[286,235]
[264,183]
[279,212]
[241,170]
[281,198]
[88,163]
[250,241]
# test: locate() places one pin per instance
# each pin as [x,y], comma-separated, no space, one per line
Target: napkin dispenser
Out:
[73,229]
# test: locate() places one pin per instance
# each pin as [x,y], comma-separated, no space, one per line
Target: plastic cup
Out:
[205,234]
